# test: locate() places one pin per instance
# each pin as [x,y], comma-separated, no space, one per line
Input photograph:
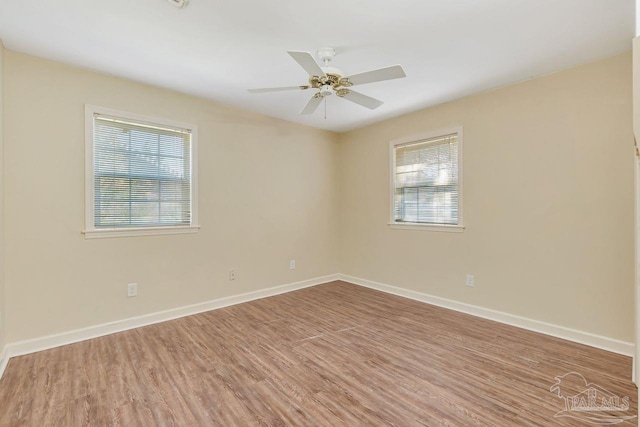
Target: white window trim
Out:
[90,231]
[392,167]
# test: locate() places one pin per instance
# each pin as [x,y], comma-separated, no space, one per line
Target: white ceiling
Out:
[220,48]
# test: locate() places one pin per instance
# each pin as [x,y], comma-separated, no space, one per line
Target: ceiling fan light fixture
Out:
[179,3]
[326,91]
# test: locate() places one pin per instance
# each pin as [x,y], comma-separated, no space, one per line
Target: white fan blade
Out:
[306,61]
[277,89]
[312,105]
[364,100]
[388,73]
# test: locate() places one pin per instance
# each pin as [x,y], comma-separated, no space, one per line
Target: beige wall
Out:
[636,132]
[548,202]
[2,299]
[636,87]
[267,195]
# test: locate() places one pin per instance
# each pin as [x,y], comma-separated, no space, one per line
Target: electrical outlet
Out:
[132,290]
[292,264]
[232,275]
[470,281]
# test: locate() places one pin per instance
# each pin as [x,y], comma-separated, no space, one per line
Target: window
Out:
[426,181]
[140,175]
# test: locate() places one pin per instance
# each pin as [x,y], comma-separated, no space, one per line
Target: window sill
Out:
[426,227]
[102,233]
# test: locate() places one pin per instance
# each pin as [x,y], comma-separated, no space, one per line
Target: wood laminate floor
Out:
[334,354]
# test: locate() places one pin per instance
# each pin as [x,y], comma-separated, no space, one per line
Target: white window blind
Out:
[141,174]
[426,181]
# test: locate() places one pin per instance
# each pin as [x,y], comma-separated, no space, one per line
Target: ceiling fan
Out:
[330,80]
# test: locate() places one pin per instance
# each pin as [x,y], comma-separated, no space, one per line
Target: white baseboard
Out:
[4,359]
[43,343]
[605,343]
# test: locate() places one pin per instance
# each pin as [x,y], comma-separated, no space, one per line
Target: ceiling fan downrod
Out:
[326,54]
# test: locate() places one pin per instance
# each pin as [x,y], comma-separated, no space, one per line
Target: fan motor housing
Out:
[331,79]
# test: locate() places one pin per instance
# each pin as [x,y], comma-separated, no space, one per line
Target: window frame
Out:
[90,231]
[414,139]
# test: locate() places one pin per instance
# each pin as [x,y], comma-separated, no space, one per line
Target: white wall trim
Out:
[142,231]
[598,341]
[424,227]
[43,343]
[4,359]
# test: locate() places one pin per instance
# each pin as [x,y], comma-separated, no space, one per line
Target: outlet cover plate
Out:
[132,290]
[470,281]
